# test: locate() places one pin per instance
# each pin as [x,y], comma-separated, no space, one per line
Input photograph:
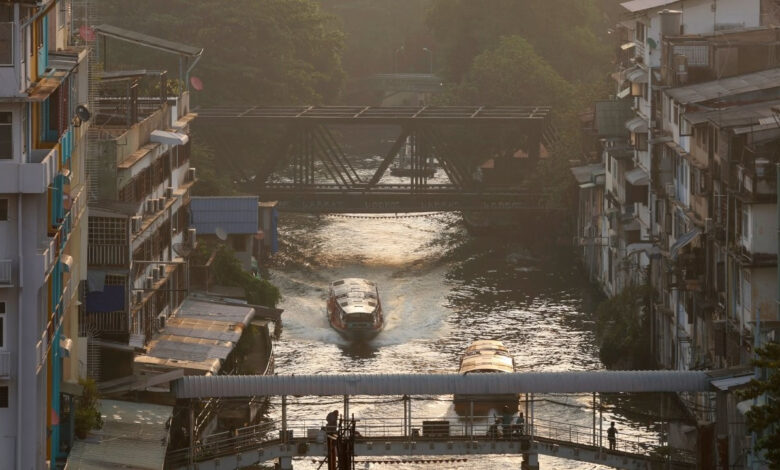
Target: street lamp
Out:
[430,59]
[395,59]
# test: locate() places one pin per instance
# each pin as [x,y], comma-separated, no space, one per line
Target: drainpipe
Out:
[19,329]
[777,220]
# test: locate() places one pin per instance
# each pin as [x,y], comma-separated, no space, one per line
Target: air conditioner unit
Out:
[191,174]
[160,204]
[149,282]
[169,192]
[150,206]
[161,269]
[139,296]
[191,234]
[135,223]
[161,320]
[156,274]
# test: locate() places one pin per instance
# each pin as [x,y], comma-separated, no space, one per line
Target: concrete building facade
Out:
[43,127]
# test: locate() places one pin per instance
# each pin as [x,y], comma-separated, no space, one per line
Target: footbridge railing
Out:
[298,435]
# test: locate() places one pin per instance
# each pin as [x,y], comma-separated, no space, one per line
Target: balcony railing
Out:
[106,255]
[5,365]
[6,273]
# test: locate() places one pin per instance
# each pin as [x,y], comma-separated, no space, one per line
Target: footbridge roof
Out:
[444,384]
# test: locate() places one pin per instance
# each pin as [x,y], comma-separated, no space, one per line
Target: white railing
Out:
[6,272]
[5,365]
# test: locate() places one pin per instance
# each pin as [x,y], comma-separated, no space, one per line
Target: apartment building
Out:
[139,193]
[690,194]
[44,120]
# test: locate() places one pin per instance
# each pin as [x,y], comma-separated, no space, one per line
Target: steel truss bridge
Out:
[458,138]
[434,438]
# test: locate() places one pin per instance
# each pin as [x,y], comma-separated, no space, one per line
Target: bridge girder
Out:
[459,139]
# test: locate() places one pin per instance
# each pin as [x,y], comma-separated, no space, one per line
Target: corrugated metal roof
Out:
[640,5]
[442,384]
[234,215]
[701,92]
[134,435]
[198,337]
[736,115]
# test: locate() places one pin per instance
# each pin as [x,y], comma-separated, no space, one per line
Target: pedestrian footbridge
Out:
[424,440]
[432,438]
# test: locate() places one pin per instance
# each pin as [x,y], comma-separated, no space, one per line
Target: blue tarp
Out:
[111,299]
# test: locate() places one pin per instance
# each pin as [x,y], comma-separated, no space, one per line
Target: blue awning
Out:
[683,241]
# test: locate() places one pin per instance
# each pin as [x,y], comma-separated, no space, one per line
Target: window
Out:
[640,32]
[6,35]
[6,149]
[3,397]
[2,325]
[3,210]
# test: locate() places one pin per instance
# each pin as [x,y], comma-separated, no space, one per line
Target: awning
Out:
[639,75]
[627,45]
[682,241]
[623,93]
[728,383]
[637,125]
[637,177]
[587,185]
[148,41]
[679,150]
[169,138]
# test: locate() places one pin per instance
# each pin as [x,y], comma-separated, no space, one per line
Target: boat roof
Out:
[487,355]
[355,295]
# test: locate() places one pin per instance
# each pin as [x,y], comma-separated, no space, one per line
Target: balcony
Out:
[5,365]
[33,177]
[6,273]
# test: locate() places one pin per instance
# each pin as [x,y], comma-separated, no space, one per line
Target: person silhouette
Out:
[612,435]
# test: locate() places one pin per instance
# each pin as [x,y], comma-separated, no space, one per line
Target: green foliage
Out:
[622,329]
[569,35]
[513,73]
[212,177]
[227,270]
[764,419]
[256,51]
[87,415]
[375,29]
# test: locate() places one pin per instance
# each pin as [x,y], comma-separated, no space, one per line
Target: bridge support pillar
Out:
[530,461]
[285,463]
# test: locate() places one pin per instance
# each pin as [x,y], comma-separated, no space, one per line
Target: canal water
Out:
[440,289]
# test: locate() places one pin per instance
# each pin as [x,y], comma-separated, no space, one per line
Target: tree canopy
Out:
[569,35]
[256,51]
[764,419]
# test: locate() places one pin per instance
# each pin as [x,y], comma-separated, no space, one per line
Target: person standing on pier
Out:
[612,435]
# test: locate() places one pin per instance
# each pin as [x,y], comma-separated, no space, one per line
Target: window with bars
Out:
[107,231]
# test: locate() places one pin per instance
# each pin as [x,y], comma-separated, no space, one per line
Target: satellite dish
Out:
[83,113]
[196,83]
[221,233]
